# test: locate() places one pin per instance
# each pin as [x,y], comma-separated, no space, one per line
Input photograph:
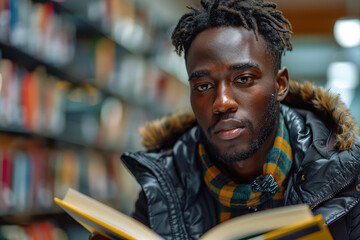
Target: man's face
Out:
[234,91]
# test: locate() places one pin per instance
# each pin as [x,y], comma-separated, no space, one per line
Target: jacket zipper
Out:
[157,171]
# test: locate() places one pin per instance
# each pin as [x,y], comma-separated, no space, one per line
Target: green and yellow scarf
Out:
[266,191]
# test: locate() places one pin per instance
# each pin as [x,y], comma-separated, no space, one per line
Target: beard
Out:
[268,119]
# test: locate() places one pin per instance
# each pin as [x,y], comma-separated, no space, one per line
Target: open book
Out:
[291,222]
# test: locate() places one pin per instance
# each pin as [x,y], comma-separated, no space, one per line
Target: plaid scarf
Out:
[266,191]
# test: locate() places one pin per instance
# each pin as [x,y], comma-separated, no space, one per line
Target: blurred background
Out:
[77,79]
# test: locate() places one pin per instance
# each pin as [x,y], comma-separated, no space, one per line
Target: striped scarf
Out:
[266,191]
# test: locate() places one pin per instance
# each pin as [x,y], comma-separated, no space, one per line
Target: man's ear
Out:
[282,83]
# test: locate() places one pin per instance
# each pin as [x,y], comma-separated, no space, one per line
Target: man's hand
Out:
[95,236]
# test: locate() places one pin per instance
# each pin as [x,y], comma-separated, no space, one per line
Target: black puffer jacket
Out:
[325,173]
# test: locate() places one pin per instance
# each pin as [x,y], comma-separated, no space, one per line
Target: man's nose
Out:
[224,100]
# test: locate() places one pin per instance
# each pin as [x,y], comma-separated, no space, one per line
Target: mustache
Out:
[244,121]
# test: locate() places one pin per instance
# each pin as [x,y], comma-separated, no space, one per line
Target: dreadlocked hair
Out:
[261,17]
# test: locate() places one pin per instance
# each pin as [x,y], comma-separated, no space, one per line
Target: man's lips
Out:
[228,129]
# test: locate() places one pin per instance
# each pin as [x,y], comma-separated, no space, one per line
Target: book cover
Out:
[313,229]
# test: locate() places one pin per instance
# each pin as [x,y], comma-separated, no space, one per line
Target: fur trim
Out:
[328,107]
[164,132]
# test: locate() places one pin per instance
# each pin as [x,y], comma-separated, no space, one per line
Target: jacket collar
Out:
[326,180]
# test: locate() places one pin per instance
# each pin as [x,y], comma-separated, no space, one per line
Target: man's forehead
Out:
[225,46]
[225,39]
[227,34]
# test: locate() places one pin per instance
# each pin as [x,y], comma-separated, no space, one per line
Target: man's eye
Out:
[203,87]
[244,79]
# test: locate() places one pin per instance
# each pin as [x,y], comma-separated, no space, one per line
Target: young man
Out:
[240,150]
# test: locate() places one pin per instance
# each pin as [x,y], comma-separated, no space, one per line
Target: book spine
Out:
[53,37]
[6,171]
[32,172]
[20,182]
[38,230]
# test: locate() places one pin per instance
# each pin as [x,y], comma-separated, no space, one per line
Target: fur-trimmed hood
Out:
[327,106]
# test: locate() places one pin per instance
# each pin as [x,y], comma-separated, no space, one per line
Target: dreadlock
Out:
[261,17]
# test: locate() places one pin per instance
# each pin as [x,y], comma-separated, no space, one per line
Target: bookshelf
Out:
[76,81]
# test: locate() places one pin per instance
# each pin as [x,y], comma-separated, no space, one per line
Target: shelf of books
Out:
[76,81]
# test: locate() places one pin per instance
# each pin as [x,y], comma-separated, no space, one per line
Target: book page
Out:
[259,222]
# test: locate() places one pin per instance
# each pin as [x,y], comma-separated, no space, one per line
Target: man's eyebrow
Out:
[243,66]
[199,74]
